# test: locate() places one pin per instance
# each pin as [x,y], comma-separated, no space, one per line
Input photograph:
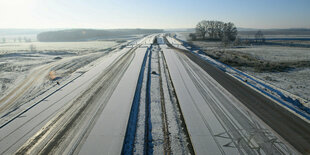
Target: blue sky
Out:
[152,13]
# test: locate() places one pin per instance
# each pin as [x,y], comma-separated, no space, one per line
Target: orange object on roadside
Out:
[52,75]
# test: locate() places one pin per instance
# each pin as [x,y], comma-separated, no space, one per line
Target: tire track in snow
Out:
[50,137]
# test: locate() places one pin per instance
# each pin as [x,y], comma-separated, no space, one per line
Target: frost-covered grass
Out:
[291,42]
[277,53]
[261,52]
[260,58]
[207,45]
[18,62]
[54,46]
[296,81]
[275,36]
[285,67]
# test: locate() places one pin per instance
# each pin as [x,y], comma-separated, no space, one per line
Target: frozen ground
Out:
[275,36]
[265,53]
[74,47]
[295,81]
[60,100]
[29,72]
[277,53]
[183,110]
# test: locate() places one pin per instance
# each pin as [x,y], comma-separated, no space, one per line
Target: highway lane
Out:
[155,125]
[240,123]
[215,120]
[20,129]
[290,127]
[49,122]
[107,134]
[218,119]
[71,126]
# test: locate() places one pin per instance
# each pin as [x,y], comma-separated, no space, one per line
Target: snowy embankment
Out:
[291,102]
[16,129]
[26,74]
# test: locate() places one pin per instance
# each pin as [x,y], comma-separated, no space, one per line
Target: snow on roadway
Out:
[155,124]
[140,127]
[17,132]
[216,121]
[175,43]
[30,69]
[147,41]
[294,104]
[108,134]
[286,99]
[155,104]
[177,136]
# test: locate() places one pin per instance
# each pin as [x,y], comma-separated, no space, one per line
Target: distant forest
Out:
[91,34]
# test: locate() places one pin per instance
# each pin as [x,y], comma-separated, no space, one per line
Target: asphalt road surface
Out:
[290,127]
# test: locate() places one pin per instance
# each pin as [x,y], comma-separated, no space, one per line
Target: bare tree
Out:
[211,29]
[192,36]
[201,29]
[230,31]
[259,37]
[216,30]
[32,48]
[219,29]
[3,40]
[27,40]
[225,40]
[237,41]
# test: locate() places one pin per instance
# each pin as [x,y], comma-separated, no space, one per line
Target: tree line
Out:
[215,30]
[91,34]
[19,39]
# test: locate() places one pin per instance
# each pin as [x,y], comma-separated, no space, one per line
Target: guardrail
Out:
[286,100]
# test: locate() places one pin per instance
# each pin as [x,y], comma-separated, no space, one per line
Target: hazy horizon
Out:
[51,28]
[95,14]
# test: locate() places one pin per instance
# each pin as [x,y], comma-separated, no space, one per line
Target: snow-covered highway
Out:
[216,120]
[18,128]
[285,125]
[150,97]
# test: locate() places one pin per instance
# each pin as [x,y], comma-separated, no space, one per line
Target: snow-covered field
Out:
[73,47]
[277,53]
[295,81]
[265,52]
[143,98]
[30,68]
